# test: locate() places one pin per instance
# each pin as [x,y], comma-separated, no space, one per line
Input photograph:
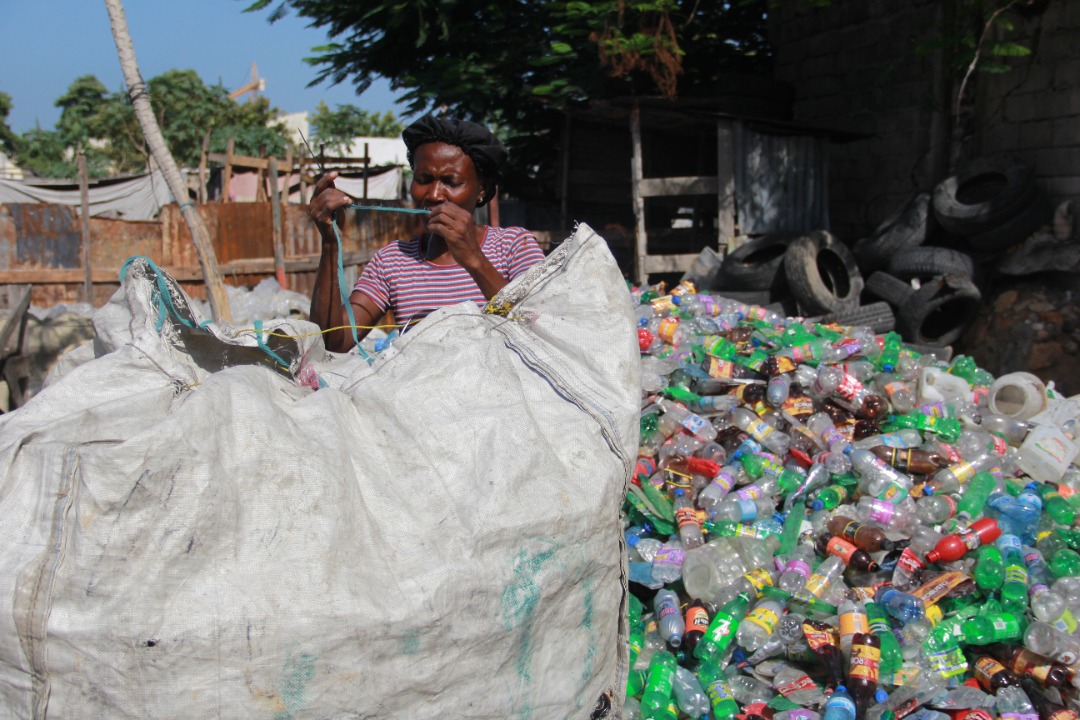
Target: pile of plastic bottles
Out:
[823,522]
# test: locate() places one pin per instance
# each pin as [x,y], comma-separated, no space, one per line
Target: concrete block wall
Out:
[862,66]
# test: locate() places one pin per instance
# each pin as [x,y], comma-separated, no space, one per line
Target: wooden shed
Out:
[661,179]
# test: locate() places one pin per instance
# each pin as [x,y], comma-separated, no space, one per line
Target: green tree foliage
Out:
[516,63]
[337,128]
[187,109]
[9,141]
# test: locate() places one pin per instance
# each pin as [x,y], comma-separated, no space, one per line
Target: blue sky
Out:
[45,44]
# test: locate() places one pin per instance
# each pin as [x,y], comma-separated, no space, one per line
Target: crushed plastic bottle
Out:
[824,523]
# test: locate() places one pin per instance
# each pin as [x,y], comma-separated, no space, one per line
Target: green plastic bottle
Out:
[1065,563]
[757,465]
[973,500]
[637,629]
[721,632]
[1056,506]
[989,568]
[986,629]
[1014,588]
[714,681]
[657,696]
[943,654]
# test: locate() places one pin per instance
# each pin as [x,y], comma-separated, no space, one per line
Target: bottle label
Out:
[759,578]
[970,538]
[667,329]
[1016,573]
[802,684]
[799,407]
[845,706]
[750,492]
[892,440]
[709,305]
[667,610]
[686,516]
[759,429]
[962,471]
[832,436]
[948,663]
[841,548]
[1000,446]
[694,423]
[816,584]
[697,618]
[1066,623]
[950,452]
[865,662]
[764,618]
[722,369]
[987,667]
[849,387]
[1017,716]
[798,567]
[725,481]
[853,622]
[893,493]
[882,512]
[976,714]
[748,510]
[801,714]
[718,692]
[669,556]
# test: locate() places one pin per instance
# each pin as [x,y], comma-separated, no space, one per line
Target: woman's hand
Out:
[456,227]
[325,201]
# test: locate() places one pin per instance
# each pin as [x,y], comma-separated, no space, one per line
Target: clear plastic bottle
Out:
[668,616]
[748,690]
[1014,704]
[822,425]
[711,495]
[689,695]
[828,572]
[686,516]
[860,342]
[778,389]
[798,687]
[667,564]
[909,567]
[936,509]
[852,620]
[1047,640]
[676,416]
[776,441]
[880,479]
[905,438]
[839,706]
[756,628]
[745,511]
[898,392]
[796,569]
[899,518]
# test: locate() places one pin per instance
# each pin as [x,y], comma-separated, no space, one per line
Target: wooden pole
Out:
[226,177]
[367,166]
[260,179]
[302,164]
[288,174]
[279,245]
[202,167]
[140,100]
[84,222]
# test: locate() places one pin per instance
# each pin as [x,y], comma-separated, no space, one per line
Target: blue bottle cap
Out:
[779,517]
[679,492]
[677,299]
[818,505]
[880,695]
[633,540]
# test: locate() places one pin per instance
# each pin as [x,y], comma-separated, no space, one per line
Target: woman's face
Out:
[444,173]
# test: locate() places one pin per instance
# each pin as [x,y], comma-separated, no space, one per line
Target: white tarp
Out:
[137,198]
[189,529]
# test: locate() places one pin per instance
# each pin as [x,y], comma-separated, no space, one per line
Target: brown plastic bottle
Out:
[1026,663]
[992,675]
[866,537]
[912,460]
[863,671]
[1047,708]
[852,556]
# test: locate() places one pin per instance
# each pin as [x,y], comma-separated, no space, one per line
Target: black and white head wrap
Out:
[476,141]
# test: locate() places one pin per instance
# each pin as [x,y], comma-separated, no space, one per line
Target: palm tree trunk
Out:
[140,99]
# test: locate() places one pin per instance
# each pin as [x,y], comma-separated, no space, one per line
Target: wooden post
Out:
[140,100]
[260,179]
[367,166]
[84,221]
[302,164]
[226,177]
[275,204]
[637,172]
[288,174]
[202,168]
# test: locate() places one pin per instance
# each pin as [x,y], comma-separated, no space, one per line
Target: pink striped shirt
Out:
[398,278]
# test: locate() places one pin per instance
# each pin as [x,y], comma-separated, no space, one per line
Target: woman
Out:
[456,168]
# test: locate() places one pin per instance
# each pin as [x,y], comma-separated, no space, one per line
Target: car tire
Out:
[822,273]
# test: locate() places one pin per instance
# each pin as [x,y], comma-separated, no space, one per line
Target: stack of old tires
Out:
[919,271]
